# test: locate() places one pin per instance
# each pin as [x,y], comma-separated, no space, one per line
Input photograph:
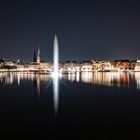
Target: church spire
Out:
[34,57]
[38,55]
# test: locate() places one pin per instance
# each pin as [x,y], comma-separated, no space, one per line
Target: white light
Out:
[55,75]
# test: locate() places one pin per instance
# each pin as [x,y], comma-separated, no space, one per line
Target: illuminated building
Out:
[137,68]
[38,56]
[7,65]
[122,64]
[34,57]
[86,66]
[71,67]
[101,65]
[133,64]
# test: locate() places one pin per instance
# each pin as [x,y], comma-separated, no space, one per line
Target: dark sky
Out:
[85,29]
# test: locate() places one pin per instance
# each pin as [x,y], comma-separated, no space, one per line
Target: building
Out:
[70,67]
[35,67]
[122,64]
[137,68]
[36,56]
[133,64]
[7,64]
[102,65]
[86,66]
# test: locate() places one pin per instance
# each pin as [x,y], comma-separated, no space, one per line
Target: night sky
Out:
[85,29]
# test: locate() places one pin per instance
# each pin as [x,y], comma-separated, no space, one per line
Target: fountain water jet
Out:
[56,74]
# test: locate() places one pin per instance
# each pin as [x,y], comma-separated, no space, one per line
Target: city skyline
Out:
[86,30]
[70,68]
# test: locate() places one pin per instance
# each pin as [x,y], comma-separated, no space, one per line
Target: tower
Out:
[34,57]
[38,55]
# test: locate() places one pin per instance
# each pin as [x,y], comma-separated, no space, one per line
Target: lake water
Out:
[105,105]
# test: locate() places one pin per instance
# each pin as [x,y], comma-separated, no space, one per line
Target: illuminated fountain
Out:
[56,74]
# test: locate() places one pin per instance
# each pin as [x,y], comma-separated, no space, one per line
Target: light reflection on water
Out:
[99,78]
[106,78]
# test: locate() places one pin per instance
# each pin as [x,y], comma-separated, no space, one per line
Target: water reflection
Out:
[40,81]
[36,84]
[56,93]
[9,78]
[106,78]
[6,78]
[137,77]
[99,78]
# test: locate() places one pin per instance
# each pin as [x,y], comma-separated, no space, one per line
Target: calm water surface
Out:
[106,105]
